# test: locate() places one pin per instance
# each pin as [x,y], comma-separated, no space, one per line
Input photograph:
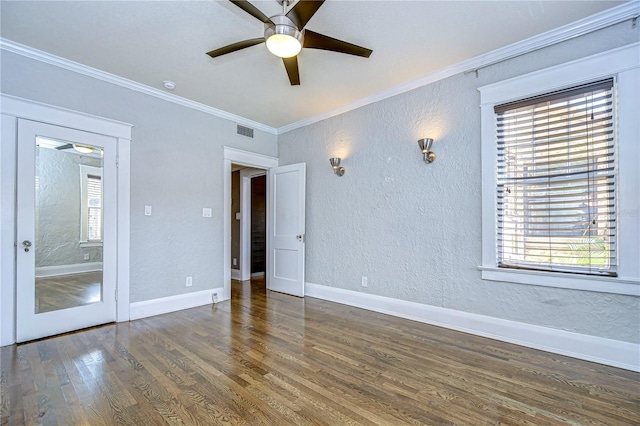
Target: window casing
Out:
[623,66]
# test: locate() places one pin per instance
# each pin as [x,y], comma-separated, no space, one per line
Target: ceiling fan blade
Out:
[291,64]
[318,41]
[303,11]
[251,10]
[235,46]
[62,147]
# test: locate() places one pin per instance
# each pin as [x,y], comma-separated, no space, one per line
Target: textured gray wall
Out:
[176,167]
[414,229]
[58,209]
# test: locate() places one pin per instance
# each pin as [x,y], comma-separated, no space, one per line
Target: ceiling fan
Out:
[80,148]
[285,35]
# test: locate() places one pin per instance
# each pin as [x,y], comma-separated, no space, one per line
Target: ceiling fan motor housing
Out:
[281,33]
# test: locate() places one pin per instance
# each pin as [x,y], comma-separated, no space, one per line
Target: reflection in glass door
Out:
[68,225]
[66,228]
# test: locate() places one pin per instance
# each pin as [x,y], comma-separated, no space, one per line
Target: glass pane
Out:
[68,225]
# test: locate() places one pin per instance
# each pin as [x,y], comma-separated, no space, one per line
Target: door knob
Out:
[300,238]
[26,244]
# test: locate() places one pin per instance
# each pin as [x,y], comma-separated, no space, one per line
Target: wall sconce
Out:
[335,163]
[425,146]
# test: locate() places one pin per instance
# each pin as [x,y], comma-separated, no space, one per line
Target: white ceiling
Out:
[152,41]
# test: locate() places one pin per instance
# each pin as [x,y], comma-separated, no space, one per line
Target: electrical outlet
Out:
[189,281]
[86,256]
[364,282]
[214,297]
[235,261]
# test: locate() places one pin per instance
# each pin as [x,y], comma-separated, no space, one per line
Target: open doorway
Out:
[235,159]
[286,195]
[258,232]
[248,224]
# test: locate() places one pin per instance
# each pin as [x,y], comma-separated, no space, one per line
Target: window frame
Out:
[623,64]
[85,172]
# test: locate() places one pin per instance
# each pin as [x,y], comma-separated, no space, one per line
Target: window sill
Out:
[90,243]
[624,286]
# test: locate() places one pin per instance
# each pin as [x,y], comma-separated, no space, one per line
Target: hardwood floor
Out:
[67,291]
[268,358]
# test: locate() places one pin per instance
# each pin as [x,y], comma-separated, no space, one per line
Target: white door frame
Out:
[243,158]
[12,109]
[245,219]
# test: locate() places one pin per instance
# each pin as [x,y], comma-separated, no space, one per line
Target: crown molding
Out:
[38,55]
[589,24]
[575,29]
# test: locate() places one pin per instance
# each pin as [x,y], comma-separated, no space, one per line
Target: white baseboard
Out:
[590,348]
[235,274]
[257,274]
[76,268]
[164,305]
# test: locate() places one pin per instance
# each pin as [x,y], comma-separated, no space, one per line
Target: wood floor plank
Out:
[266,358]
[67,291]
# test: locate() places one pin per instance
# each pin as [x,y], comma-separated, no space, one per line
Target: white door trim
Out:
[245,220]
[244,158]
[8,164]
[12,109]
[58,116]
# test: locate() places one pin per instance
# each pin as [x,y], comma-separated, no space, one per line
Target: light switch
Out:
[147,210]
[238,216]
[206,212]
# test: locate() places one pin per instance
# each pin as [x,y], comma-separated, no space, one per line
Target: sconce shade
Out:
[335,163]
[425,146]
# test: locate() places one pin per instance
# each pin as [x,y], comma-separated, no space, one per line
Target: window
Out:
[560,196]
[94,208]
[91,204]
[556,177]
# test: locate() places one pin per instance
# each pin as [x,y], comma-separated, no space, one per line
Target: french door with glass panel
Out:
[66,230]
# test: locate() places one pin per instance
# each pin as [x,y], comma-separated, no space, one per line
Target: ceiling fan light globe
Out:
[283,38]
[83,149]
[283,45]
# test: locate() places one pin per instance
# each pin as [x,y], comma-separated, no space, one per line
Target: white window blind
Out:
[94,206]
[556,181]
